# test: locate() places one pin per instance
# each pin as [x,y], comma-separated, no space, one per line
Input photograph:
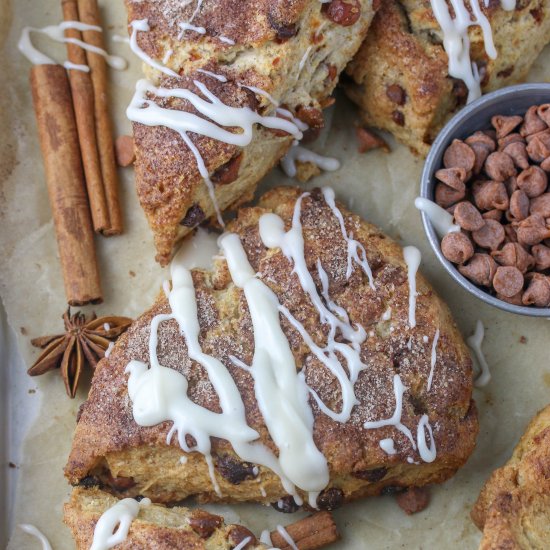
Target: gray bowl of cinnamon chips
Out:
[490,168]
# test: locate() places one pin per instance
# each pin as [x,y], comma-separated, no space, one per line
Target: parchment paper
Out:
[380,187]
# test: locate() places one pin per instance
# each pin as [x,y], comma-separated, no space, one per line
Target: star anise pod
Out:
[84,343]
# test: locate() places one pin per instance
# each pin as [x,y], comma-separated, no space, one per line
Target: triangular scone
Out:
[291,52]
[513,508]
[429,362]
[155,526]
[400,75]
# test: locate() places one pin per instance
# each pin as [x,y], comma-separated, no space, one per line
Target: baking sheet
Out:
[380,187]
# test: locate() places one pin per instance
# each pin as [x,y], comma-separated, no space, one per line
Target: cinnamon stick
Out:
[65,179]
[83,101]
[309,533]
[88,11]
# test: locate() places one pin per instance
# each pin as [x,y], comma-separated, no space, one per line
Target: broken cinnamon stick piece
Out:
[83,101]
[65,179]
[309,533]
[88,11]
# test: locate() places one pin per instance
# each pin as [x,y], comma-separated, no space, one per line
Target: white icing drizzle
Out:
[169,53]
[395,419]
[474,342]
[184,26]
[281,391]
[292,245]
[35,532]
[57,33]
[109,349]
[427,453]
[288,539]
[219,77]
[304,59]
[433,359]
[261,92]
[146,111]
[243,543]
[457,42]
[265,538]
[412,258]
[262,492]
[69,65]
[297,153]
[113,525]
[387,445]
[159,394]
[439,217]
[226,40]
[285,113]
[142,25]
[356,251]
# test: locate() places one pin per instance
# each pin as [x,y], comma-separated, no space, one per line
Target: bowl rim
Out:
[427,186]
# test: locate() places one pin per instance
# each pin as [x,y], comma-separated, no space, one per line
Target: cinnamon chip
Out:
[505,124]
[514,300]
[491,195]
[519,205]
[541,255]
[480,269]
[459,155]
[457,247]
[518,153]
[508,281]
[532,230]
[481,153]
[124,150]
[543,111]
[468,216]
[499,166]
[453,177]
[509,139]
[413,500]
[541,205]
[490,236]
[538,291]
[532,123]
[533,181]
[538,148]
[492,215]
[446,196]
[481,138]
[369,140]
[513,254]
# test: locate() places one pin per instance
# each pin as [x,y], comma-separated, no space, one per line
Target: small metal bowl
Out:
[512,100]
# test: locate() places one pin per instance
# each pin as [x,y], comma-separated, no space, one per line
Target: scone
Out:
[400,76]
[321,374]
[513,509]
[155,526]
[275,62]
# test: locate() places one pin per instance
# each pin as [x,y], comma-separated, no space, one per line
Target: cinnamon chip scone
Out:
[231,84]
[513,508]
[154,526]
[311,365]
[400,77]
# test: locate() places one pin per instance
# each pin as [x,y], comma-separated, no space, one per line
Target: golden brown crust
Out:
[108,442]
[155,526]
[404,49]
[289,49]
[517,488]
